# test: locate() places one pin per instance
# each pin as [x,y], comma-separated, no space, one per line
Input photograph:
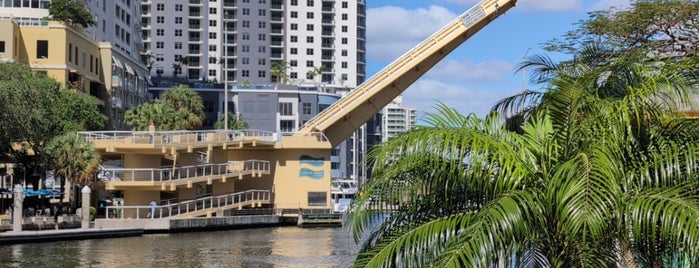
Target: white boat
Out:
[342,192]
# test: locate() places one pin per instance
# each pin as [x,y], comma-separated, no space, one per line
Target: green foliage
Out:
[234,122]
[70,12]
[664,29]
[78,112]
[278,70]
[73,158]
[178,108]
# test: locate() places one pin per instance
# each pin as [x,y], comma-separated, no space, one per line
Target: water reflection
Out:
[264,247]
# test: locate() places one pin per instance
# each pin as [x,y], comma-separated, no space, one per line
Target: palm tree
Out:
[316,71]
[278,71]
[234,122]
[600,174]
[73,158]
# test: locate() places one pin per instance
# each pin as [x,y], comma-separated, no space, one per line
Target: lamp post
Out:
[225,77]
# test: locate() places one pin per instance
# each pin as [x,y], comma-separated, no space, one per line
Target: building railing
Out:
[180,136]
[169,174]
[186,207]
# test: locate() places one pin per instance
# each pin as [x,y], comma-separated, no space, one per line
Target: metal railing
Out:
[186,207]
[168,174]
[179,137]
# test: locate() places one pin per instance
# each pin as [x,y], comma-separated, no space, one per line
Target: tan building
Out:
[74,59]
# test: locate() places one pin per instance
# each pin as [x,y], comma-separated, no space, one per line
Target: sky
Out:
[483,69]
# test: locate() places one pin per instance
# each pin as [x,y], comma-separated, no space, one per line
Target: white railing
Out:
[179,136]
[165,174]
[186,207]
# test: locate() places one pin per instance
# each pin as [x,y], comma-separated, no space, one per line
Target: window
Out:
[315,199]
[286,108]
[261,74]
[245,60]
[294,14]
[212,60]
[309,51]
[178,32]
[261,61]
[42,49]
[212,48]
[246,11]
[246,36]
[309,63]
[70,50]
[309,39]
[159,45]
[178,20]
[212,23]
[293,75]
[293,51]
[212,10]
[294,2]
[344,65]
[246,24]
[262,37]
[344,16]
[344,77]
[344,40]
[262,12]
[212,72]
[262,1]
[178,7]
[178,45]
[344,28]
[261,24]
[245,48]
[159,57]
[309,27]
[306,108]
[212,35]
[245,73]
[160,7]
[294,39]
[294,26]
[262,49]
[293,63]
[309,3]
[344,52]
[160,19]
[344,4]
[309,15]
[160,32]
[286,126]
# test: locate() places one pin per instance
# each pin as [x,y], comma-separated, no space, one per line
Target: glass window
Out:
[42,49]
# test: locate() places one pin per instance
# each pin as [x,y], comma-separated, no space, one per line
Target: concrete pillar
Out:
[17,208]
[85,209]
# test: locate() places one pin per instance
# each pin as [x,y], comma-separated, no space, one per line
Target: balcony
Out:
[229,3]
[195,2]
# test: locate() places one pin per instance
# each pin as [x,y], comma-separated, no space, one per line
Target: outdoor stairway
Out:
[204,206]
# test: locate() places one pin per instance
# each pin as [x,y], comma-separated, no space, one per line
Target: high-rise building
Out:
[102,60]
[320,40]
[397,118]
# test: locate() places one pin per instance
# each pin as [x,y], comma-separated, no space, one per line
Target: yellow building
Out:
[74,59]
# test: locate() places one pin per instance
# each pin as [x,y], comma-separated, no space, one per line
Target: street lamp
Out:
[225,77]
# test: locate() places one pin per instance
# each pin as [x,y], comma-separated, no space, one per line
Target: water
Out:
[264,247]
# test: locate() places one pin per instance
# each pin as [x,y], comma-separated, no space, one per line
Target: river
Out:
[263,247]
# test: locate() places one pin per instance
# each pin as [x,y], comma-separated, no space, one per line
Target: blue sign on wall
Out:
[312,161]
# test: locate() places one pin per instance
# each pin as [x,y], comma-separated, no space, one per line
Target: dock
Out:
[330,219]
[10,237]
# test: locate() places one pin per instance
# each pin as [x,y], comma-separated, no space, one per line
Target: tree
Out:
[278,71]
[600,173]
[316,71]
[77,112]
[73,158]
[663,28]
[71,13]
[234,122]
[178,108]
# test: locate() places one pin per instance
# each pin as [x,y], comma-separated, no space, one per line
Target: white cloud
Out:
[533,5]
[426,93]
[392,31]
[468,71]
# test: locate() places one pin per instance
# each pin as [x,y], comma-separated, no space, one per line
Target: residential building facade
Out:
[397,118]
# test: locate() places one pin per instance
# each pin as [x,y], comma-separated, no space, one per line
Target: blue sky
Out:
[482,70]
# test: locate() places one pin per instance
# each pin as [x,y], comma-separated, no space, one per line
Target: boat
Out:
[342,192]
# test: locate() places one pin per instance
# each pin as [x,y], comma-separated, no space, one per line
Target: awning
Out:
[116,62]
[128,69]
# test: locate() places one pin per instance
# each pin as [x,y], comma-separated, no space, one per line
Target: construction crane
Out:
[345,116]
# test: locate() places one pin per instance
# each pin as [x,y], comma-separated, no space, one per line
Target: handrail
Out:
[180,136]
[189,206]
[165,174]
